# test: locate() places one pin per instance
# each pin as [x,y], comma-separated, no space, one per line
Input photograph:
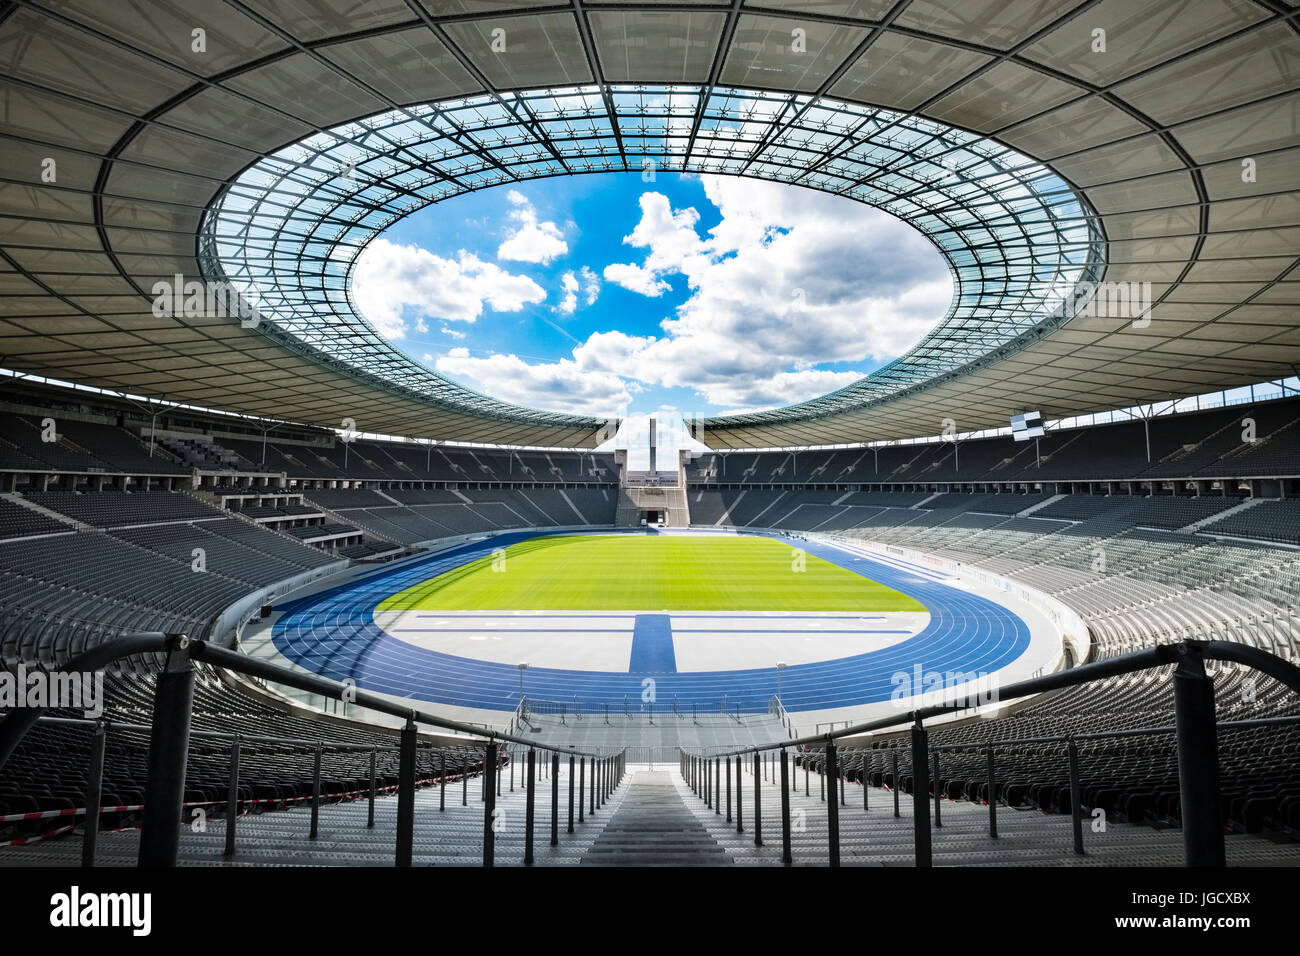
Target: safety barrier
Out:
[1195,729]
[170,733]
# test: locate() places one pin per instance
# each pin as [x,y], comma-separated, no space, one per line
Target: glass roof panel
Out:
[287,231]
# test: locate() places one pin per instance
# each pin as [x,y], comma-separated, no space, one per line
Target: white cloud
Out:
[789,292]
[531,241]
[391,278]
[569,282]
[635,278]
[454,333]
[590,285]
[583,280]
[562,386]
[788,280]
[671,239]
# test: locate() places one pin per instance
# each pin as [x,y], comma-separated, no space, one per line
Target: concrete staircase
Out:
[654,827]
[653,818]
[632,500]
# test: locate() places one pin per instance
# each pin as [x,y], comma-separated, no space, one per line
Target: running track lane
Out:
[333,633]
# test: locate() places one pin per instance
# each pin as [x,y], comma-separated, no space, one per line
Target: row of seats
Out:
[473,511]
[1129,779]
[1254,440]
[112,509]
[49,769]
[64,591]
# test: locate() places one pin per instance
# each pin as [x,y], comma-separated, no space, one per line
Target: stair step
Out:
[653,826]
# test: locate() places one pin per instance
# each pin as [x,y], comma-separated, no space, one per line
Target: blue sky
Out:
[608,294]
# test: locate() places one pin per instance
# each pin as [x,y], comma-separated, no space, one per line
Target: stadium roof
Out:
[1036,152]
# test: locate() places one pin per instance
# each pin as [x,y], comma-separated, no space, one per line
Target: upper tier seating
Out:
[17,521]
[111,509]
[1210,444]
[1268,520]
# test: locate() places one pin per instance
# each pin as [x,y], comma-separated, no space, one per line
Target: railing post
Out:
[832,808]
[510,756]
[866,782]
[555,799]
[717,786]
[169,745]
[786,857]
[94,796]
[442,781]
[839,775]
[1198,764]
[895,755]
[921,794]
[530,772]
[806,790]
[315,795]
[938,811]
[706,766]
[571,793]
[1076,810]
[728,789]
[740,802]
[490,804]
[594,761]
[758,807]
[582,788]
[993,795]
[406,794]
[821,777]
[370,814]
[464,786]
[232,800]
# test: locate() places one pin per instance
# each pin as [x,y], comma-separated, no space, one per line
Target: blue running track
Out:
[333,633]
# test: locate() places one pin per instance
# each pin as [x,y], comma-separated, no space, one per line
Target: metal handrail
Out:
[16,724]
[1280,670]
[170,734]
[1196,730]
[337,690]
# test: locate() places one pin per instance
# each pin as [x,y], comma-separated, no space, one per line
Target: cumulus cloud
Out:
[530,240]
[635,279]
[391,278]
[788,293]
[562,386]
[590,285]
[789,279]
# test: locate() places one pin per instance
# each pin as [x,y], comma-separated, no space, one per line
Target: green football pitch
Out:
[618,572]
